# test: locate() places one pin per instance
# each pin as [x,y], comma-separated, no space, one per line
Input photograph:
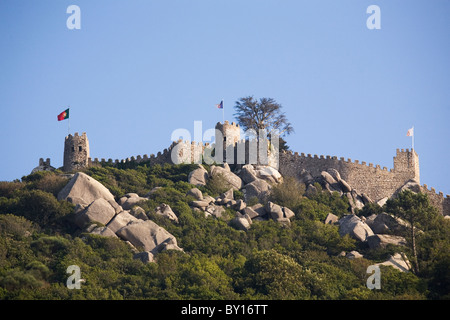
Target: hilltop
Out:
[190,231]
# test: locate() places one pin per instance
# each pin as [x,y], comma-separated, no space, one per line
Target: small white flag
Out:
[410,132]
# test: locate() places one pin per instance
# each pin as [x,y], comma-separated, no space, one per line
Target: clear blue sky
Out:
[137,70]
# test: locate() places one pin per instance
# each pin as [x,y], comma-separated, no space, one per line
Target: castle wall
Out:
[437,199]
[374,181]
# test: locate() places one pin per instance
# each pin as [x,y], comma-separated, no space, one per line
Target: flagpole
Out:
[68,124]
[223,112]
[413,138]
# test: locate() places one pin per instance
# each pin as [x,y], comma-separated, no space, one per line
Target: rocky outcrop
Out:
[196,193]
[166,211]
[258,188]
[101,231]
[248,173]
[331,219]
[145,257]
[130,199]
[398,261]
[199,176]
[83,190]
[241,222]
[95,205]
[386,223]
[99,210]
[139,213]
[146,235]
[279,213]
[355,227]
[383,240]
[121,220]
[268,174]
[228,176]
[354,255]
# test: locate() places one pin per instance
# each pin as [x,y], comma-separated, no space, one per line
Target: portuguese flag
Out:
[63,115]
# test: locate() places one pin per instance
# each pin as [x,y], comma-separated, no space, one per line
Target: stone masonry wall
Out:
[374,181]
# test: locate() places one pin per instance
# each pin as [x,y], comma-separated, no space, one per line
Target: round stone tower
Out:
[229,135]
[76,152]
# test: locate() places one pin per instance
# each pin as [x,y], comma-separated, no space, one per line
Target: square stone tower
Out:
[406,163]
[76,152]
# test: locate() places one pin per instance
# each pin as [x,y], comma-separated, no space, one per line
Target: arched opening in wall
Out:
[80,148]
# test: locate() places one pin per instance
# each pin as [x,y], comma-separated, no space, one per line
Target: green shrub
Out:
[289,193]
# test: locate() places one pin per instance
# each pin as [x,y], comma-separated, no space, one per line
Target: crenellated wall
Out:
[374,181]
[437,199]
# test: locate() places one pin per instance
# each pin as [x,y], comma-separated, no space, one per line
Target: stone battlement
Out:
[373,180]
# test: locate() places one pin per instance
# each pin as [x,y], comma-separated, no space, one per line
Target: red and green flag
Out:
[63,115]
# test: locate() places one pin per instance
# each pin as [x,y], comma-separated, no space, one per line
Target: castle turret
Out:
[76,152]
[229,135]
[406,162]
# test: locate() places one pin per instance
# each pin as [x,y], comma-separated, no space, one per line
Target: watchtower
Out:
[76,152]
[406,162]
[228,136]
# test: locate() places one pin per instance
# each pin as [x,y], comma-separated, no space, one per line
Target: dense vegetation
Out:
[270,261]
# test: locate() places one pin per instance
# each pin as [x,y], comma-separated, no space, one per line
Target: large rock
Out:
[328,178]
[146,235]
[103,231]
[200,204]
[241,222]
[199,176]
[169,244]
[258,208]
[83,190]
[398,261]
[269,174]
[357,202]
[214,210]
[121,220]
[228,195]
[131,199]
[334,173]
[278,213]
[145,257]
[306,177]
[386,223]
[345,187]
[228,176]
[411,185]
[248,173]
[196,193]
[311,191]
[355,227]
[331,219]
[258,188]
[139,213]
[166,211]
[99,210]
[250,212]
[354,255]
[382,240]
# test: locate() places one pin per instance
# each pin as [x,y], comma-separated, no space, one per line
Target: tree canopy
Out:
[264,113]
